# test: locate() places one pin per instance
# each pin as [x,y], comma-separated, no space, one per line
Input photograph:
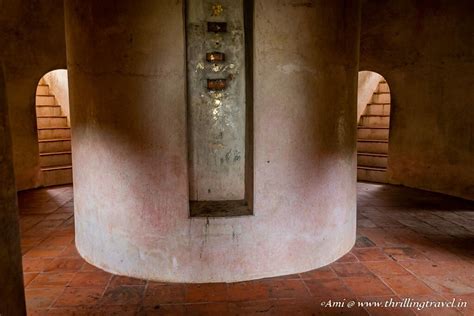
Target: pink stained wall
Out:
[128,111]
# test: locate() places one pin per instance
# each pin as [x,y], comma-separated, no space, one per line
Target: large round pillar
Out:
[12,295]
[127,73]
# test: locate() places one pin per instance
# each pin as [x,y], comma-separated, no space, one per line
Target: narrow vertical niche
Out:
[219,36]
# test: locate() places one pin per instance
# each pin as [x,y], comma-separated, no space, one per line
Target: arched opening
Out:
[373,114]
[54,130]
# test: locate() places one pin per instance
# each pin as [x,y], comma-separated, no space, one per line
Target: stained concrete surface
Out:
[216,119]
[132,212]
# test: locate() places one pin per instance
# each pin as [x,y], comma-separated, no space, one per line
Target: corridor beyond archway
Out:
[373,109]
[54,132]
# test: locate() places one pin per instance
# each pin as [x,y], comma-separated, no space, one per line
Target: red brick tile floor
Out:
[411,244]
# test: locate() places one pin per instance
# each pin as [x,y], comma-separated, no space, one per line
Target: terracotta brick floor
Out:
[411,244]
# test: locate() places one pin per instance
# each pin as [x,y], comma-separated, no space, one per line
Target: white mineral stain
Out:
[291,68]
[199,66]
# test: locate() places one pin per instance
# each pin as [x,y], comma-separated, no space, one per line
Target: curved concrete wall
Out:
[126,66]
[12,296]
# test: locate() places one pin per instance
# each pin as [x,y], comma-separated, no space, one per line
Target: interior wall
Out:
[424,49]
[32,36]
[12,299]
[58,85]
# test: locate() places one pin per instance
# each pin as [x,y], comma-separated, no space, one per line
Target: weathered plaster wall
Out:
[132,213]
[32,34]
[12,298]
[367,84]
[216,119]
[58,85]
[424,49]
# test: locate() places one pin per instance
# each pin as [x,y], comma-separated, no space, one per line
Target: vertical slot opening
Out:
[220,107]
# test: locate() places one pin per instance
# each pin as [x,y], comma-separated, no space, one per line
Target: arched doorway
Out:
[54,132]
[373,109]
